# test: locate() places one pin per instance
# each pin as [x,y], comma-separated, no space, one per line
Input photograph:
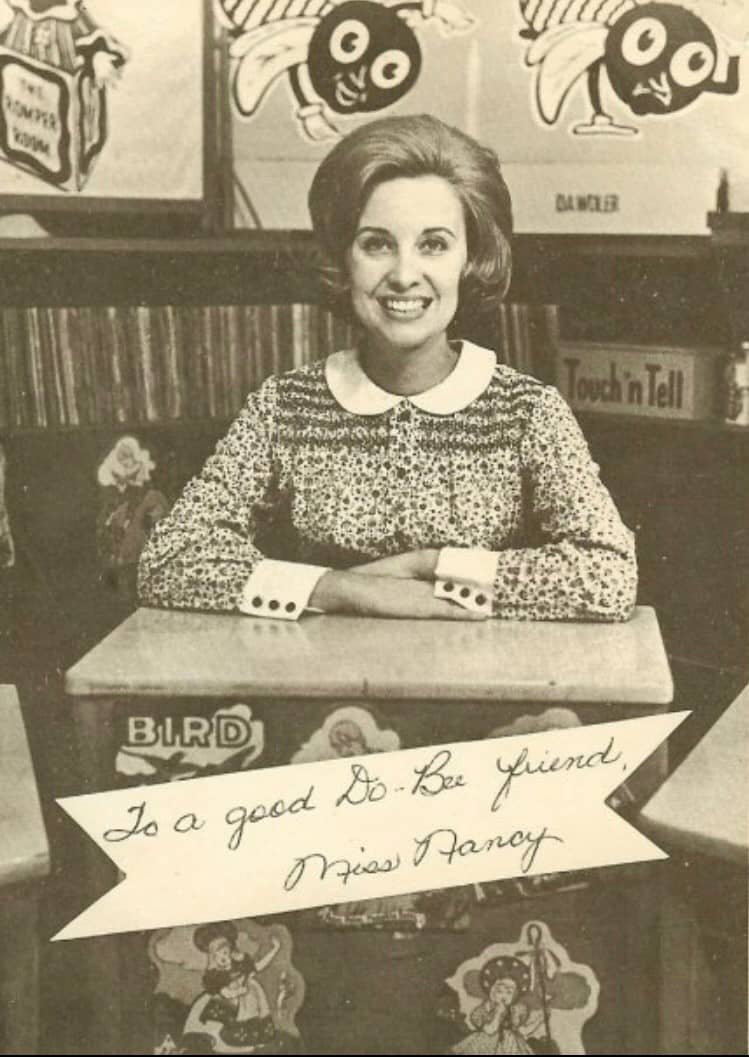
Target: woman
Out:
[411,476]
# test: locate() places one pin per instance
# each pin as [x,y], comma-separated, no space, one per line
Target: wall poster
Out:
[611,116]
[99,101]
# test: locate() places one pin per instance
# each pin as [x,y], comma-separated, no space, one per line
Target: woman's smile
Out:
[405,308]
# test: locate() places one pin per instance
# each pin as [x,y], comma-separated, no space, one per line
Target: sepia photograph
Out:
[374,526]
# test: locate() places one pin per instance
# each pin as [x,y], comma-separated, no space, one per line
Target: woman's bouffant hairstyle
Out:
[418,145]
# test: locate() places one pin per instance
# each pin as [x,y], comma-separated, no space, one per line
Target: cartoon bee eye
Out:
[644,41]
[349,41]
[390,69]
[692,64]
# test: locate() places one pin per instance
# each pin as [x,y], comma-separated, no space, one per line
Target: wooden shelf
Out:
[683,247]
[709,425]
[254,242]
[674,246]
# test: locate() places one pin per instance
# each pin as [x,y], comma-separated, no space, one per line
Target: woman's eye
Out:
[433,245]
[374,244]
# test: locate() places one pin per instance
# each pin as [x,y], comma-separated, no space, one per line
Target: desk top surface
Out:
[24,852]
[160,652]
[704,805]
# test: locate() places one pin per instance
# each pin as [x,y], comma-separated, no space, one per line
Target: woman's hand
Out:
[384,596]
[413,565]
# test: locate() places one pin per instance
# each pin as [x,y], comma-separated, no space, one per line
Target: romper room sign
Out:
[103,98]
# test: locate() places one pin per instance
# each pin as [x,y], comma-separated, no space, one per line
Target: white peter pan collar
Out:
[358,394]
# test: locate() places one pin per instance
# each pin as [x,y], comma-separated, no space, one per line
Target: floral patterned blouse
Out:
[322,468]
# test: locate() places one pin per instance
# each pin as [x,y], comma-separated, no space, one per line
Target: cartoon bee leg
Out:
[310,110]
[600,123]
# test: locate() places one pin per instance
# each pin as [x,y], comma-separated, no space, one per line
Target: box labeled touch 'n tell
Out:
[653,381]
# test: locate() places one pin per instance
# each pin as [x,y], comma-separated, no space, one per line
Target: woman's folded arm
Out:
[203,554]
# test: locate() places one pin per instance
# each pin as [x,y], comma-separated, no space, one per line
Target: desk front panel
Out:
[140,740]
[367,977]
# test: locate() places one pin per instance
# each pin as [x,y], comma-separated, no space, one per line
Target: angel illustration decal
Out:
[345,56]
[524,997]
[657,57]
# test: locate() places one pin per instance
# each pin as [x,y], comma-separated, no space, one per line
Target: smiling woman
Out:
[409,476]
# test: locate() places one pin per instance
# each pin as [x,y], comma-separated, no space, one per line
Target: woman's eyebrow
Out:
[439,228]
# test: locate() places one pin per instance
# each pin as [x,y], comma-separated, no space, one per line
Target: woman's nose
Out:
[404,271]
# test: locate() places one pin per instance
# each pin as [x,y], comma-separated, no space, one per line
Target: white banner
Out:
[287,838]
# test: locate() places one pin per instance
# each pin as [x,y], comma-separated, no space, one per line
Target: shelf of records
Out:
[72,367]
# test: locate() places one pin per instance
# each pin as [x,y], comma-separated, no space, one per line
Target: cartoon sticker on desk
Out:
[346,56]
[347,731]
[523,998]
[168,748]
[657,57]
[225,987]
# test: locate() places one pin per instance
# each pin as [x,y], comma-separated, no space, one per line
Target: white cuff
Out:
[465,575]
[468,596]
[280,590]
[467,565]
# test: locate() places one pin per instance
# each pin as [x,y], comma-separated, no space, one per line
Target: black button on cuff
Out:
[257,602]
[274,605]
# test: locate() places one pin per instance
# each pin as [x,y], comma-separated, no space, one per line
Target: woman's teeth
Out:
[404,305]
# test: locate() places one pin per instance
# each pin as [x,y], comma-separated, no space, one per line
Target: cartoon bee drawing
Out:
[657,56]
[344,56]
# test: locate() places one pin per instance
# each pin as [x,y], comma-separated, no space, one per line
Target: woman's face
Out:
[406,261]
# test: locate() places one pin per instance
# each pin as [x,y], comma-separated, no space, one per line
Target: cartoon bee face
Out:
[363,57]
[659,58]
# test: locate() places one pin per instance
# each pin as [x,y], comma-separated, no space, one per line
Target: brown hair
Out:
[416,145]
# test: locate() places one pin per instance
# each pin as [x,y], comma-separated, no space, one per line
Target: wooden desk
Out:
[160,652]
[24,863]
[171,695]
[701,816]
